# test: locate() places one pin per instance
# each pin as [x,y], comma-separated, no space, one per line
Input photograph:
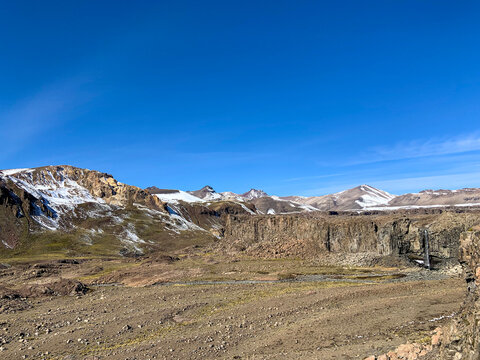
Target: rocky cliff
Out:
[381,234]
[461,339]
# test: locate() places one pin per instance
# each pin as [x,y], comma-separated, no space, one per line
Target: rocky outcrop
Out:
[100,185]
[17,207]
[382,234]
[461,339]
[12,219]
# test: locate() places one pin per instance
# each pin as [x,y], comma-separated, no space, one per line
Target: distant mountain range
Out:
[91,208]
[363,197]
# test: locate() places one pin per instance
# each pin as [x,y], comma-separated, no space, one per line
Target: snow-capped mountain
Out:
[360,197]
[92,207]
[254,194]
[206,193]
[436,198]
[174,196]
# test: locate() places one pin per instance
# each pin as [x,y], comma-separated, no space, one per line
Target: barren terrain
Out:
[201,307]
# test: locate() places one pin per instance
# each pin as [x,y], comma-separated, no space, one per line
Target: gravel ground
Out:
[273,320]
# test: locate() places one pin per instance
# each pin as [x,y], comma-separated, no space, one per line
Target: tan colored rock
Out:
[382,357]
[404,351]
[370,358]
[437,339]
[392,355]
[477,273]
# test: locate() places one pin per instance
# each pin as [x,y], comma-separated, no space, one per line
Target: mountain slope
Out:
[63,208]
[357,198]
[253,194]
[429,198]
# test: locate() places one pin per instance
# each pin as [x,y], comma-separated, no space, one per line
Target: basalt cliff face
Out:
[461,339]
[380,234]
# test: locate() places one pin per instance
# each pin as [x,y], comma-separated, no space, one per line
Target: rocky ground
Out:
[156,312]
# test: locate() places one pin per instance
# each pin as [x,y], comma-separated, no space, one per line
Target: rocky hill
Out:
[359,198]
[62,209]
[431,198]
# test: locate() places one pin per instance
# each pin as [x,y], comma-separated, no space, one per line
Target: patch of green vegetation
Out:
[380,277]
[286,276]
[211,268]
[51,245]
[108,268]
[270,291]
[144,336]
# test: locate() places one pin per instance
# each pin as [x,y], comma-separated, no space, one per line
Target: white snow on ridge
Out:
[179,223]
[13,171]
[408,207]
[179,196]
[212,196]
[254,194]
[305,207]
[59,195]
[229,195]
[373,197]
[246,209]
[65,193]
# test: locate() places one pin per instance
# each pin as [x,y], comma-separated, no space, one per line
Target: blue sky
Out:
[294,97]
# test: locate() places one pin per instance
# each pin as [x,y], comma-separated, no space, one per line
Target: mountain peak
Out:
[254,194]
[207,193]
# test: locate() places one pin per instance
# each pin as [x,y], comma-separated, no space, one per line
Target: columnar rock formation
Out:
[461,340]
[382,234]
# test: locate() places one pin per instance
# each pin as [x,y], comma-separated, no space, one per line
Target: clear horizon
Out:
[294,98]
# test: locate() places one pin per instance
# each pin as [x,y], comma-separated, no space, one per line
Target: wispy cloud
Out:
[421,148]
[313,177]
[32,116]
[449,181]
[408,184]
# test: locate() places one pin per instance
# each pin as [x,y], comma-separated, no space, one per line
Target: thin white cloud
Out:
[421,148]
[313,177]
[409,184]
[449,181]
[25,121]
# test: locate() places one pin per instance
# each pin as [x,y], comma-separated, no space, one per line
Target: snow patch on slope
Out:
[254,194]
[373,197]
[60,196]
[179,196]
[13,171]
[131,238]
[409,207]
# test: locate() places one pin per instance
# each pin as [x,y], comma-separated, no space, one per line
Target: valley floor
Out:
[273,320]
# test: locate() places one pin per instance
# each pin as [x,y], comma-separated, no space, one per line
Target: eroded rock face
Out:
[310,235]
[100,185]
[12,218]
[461,340]
[59,197]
